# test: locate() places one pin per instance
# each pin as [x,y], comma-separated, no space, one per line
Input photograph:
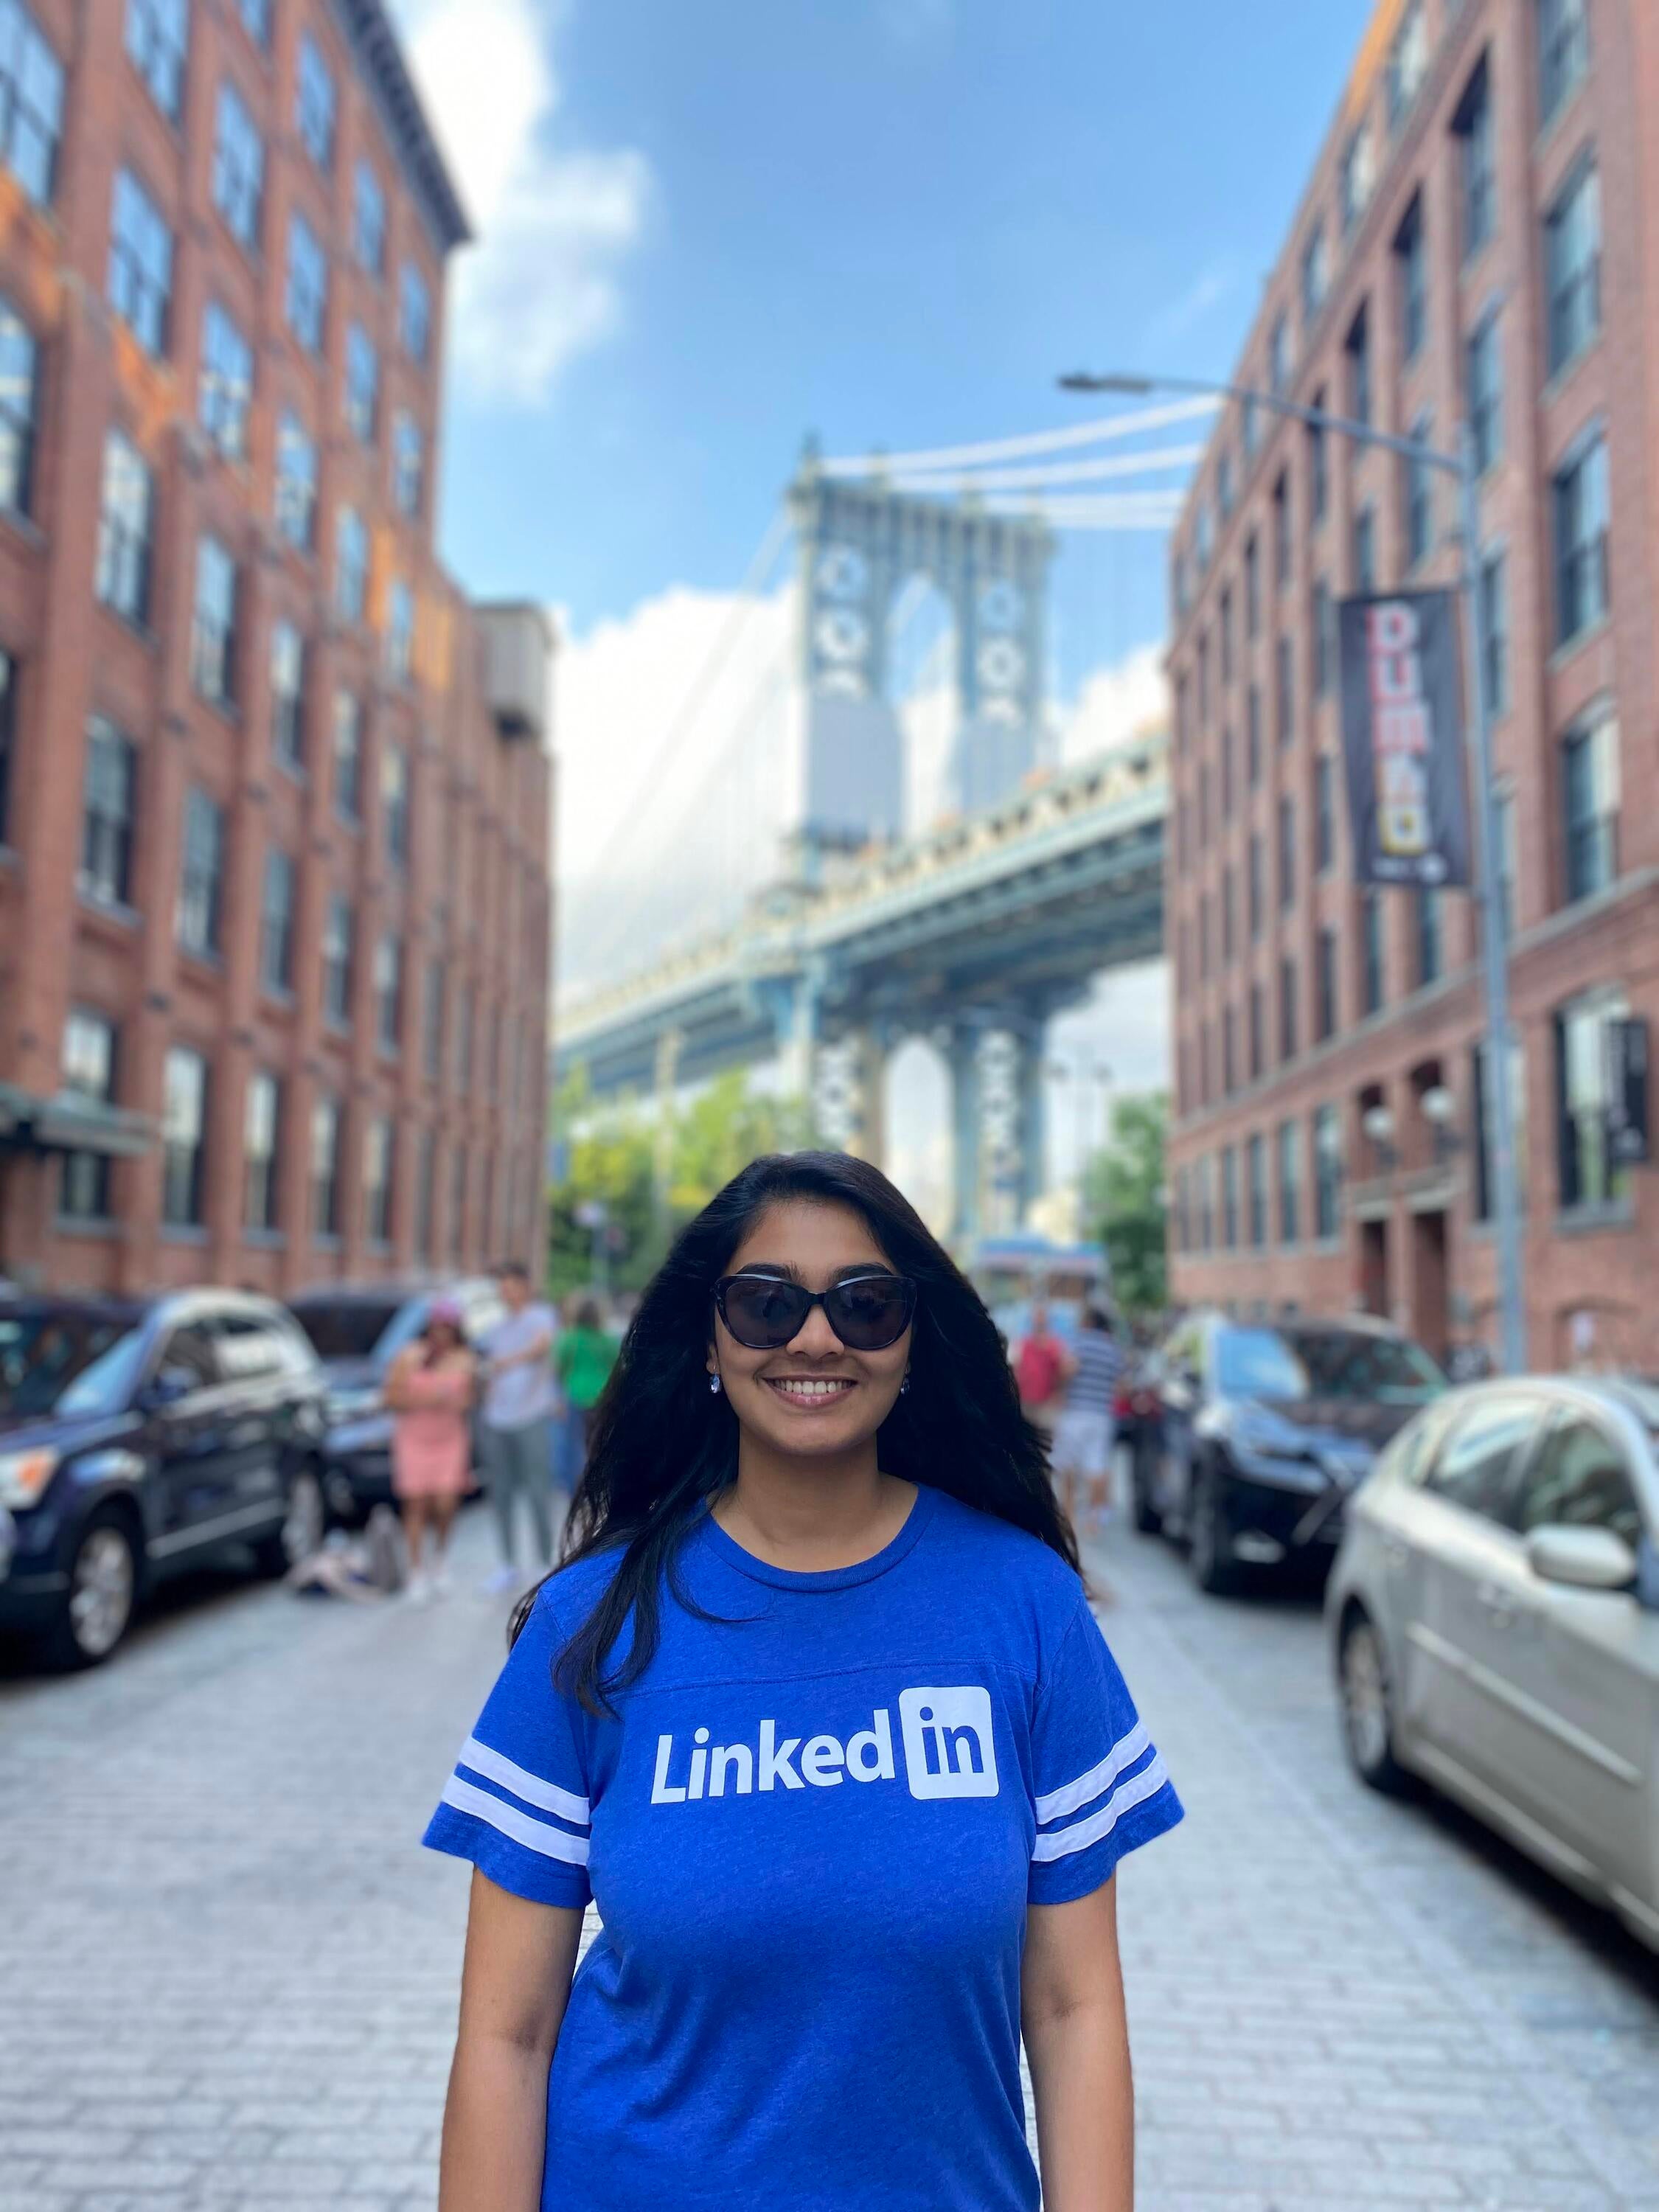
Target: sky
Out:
[708,232]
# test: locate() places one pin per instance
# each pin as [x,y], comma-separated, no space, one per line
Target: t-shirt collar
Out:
[728,1549]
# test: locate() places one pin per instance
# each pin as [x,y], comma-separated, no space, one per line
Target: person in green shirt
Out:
[584,1356]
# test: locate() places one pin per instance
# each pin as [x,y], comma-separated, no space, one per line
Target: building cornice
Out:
[379,55]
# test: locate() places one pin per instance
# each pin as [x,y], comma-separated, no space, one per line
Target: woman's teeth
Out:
[809,1392]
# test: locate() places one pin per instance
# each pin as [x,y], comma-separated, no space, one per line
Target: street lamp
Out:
[1494,934]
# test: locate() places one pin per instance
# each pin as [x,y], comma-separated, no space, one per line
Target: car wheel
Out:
[302,1530]
[1214,1570]
[1367,1701]
[1148,1519]
[102,1597]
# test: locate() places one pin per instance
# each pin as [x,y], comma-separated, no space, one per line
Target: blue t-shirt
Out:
[812,1834]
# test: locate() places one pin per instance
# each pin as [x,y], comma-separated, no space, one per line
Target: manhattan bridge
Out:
[850,924]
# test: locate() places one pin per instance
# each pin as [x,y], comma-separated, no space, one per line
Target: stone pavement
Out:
[230,1976]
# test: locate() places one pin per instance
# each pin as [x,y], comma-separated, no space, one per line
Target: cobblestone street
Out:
[231,1973]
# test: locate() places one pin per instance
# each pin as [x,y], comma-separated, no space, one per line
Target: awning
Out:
[67,1122]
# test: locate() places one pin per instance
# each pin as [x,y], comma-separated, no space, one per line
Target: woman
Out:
[583,1360]
[429,1391]
[817,1706]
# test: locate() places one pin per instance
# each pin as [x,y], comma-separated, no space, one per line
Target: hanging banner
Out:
[1402,738]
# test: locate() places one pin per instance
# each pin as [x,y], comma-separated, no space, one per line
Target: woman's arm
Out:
[514,1986]
[1076,2039]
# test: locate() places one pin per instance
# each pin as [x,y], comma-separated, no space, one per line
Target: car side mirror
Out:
[166,1388]
[1581,1558]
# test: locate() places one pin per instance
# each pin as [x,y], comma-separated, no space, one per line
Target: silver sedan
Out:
[1494,1621]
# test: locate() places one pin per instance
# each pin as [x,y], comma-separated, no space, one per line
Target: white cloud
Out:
[554,224]
[1115,704]
[1186,313]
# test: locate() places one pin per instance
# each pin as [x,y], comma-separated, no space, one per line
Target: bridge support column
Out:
[868,1140]
[1032,1044]
[967,1040]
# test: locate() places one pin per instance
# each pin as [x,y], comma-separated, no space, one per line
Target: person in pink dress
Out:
[429,1391]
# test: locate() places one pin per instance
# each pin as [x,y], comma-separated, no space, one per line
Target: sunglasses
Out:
[868,1312]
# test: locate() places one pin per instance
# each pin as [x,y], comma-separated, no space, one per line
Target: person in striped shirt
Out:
[1086,1431]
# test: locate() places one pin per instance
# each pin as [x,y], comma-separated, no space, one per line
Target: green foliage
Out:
[652,1179]
[1125,1201]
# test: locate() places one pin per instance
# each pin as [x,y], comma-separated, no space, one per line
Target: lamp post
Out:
[1461,465]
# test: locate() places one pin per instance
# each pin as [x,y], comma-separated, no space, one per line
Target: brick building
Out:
[1476,242]
[274,799]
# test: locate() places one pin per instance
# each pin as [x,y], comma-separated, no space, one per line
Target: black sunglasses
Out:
[867,1312]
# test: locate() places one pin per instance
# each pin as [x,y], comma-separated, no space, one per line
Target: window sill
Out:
[93,1228]
[1568,646]
[210,963]
[1595,1220]
[1560,377]
[265,1240]
[135,625]
[21,525]
[185,1232]
[326,1241]
[226,710]
[107,909]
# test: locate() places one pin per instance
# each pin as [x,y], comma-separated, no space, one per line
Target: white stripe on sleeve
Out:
[523,1784]
[534,1835]
[1060,1843]
[1087,1786]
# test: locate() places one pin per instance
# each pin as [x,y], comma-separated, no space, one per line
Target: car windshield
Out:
[355,1328]
[1287,1365]
[54,1360]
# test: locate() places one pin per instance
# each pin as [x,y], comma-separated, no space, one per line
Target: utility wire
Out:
[1102,429]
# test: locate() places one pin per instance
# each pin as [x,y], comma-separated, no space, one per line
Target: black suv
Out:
[1263,1430]
[138,1435]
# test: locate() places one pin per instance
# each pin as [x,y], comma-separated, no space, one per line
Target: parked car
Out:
[137,1435]
[1265,1431]
[356,1333]
[1494,1623]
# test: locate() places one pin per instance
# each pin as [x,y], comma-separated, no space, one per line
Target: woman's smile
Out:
[813,1392]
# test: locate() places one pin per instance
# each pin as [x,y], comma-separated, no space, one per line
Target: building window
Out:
[1357,346]
[432,1021]
[1358,175]
[158,35]
[1290,1183]
[1589,803]
[256,20]
[394,805]
[125,528]
[348,756]
[426,1179]
[1255,902]
[363,385]
[1226,628]
[1365,550]
[1229,1052]
[184,1138]
[1287,851]
[1411,251]
[377,1180]
[296,483]
[18,376]
[31,103]
[458,1165]
[1258,1042]
[1504,858]
[1483,373]
[1252,588]
[339,934]
[277,924]
[1431,936]
[1408,62]
[227,381]
[314,103]
[140,263]
[1327,1172]
[1315,273]
[213,630]
[1253,734]
[305,296]
[288,692]
[8,733]
[1374,959]
[1583,1098]
[1572,266]
[399,630]
[389,992]
[414,313]
[463,1042]
[1324,813]
[89,1072]
[1484,1117]
[1325,984]
[1417,485]
[1282,530]
[1562,52]
[1583,594]
[1229,1198]
[408,464]
[1286,689]
[1249,428]
[262,1127]
[1495,631]
[1319,472]
[1203,535]
[108,810]
[1478,160]
[202,876]
[1288,1025]
[350,566]
[1324,625]
[326,1168]
[1224,485]
[238,166]
[369,219]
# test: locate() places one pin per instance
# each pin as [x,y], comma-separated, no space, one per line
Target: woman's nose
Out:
[815,1338]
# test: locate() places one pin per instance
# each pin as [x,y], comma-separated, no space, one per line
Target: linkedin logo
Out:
[949,1750]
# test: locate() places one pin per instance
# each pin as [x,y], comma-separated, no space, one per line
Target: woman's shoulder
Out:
[567,1596]
[1019,1561]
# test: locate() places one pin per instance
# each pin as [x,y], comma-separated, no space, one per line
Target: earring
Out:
[904,1386]
[715,1384]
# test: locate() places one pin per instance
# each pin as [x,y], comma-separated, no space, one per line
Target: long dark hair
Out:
[661,1443]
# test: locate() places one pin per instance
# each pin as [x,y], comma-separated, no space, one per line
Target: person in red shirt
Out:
[1041,1367]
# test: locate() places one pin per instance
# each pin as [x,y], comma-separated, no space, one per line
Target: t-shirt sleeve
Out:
[517,1804]
[1099,1784]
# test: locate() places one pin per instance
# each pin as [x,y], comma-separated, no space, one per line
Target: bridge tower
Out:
[860,543]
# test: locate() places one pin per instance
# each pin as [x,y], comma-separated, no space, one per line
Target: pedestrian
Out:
[818,1686]
[516,1431]
[430,1390]
[586,1354]
[1085,1429]
[1040,1367]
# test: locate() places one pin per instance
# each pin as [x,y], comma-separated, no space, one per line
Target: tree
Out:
[1126,1202]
